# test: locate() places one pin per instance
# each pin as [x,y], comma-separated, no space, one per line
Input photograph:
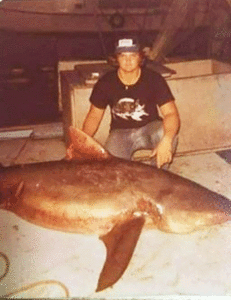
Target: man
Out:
[135,94]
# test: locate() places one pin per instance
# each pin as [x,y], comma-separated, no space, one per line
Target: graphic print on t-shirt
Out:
[128,108]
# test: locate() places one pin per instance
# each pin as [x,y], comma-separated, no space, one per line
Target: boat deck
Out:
[36,262]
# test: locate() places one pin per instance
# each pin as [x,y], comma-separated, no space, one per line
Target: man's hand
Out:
[163,152]
[171,123]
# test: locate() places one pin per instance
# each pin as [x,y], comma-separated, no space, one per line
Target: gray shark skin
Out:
[92,192]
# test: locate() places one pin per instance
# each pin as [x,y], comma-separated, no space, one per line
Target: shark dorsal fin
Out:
[84,147]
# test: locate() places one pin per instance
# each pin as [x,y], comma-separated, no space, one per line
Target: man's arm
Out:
[93,120]
[171,123]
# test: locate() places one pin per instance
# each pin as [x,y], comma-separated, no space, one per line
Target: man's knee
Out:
[118,145]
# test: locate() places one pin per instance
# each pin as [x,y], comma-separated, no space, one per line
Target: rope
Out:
[44,282]
[7,261]
[28,287]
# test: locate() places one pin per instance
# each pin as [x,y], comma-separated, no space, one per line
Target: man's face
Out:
[129,61]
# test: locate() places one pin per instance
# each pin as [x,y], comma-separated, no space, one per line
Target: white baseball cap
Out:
[127,45]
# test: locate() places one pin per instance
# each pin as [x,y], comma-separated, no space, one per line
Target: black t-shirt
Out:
[135,105]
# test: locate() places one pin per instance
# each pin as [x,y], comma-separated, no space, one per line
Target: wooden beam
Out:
[177,14]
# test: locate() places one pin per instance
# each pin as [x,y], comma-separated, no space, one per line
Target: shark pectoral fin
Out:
[82,146]
[120,243]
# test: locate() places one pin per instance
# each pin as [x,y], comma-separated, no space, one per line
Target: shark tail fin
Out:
[84,147]
[120,243]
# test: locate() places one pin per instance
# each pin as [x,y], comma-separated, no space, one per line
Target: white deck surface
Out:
[51,264]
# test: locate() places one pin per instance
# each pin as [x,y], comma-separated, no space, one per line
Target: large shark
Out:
[93,192]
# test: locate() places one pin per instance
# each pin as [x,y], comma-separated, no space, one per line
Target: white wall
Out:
[205,110]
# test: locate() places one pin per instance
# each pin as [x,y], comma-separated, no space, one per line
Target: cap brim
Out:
[127,49]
